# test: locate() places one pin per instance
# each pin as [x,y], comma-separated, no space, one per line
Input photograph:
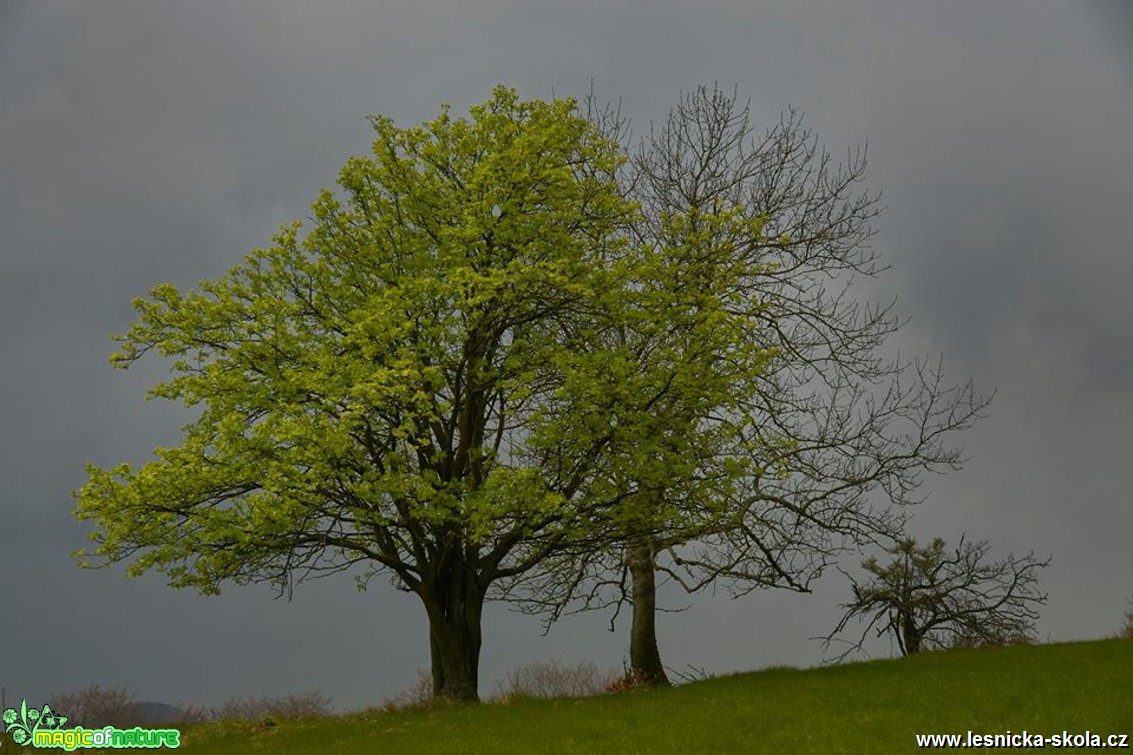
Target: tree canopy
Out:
[376,392]
[815,451]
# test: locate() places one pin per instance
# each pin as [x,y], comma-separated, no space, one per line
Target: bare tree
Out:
[836,435]
[930,598]
[419,696]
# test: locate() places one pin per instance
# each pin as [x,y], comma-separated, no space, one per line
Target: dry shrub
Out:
[185,714]
[554,679]
[291,705]
[1126,631]
[993,640]
[627,682]
[418,696]
[94,706]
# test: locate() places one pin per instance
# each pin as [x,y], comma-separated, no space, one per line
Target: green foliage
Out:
[370,389]
[659,376]
[465,345]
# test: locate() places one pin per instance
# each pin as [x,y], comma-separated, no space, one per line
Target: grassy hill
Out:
[874,707]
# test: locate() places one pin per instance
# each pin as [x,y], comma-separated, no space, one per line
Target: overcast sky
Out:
[151,141]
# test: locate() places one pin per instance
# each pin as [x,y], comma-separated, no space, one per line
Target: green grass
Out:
[873,707]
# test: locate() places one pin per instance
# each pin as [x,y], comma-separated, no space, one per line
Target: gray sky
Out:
[150,141]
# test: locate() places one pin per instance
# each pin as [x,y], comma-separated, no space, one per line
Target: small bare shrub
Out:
[554,679]
[185,714]
[291,705]
[992,640]
[418,696]
[694,674]
[1127,630]
[627,682]
[95,706]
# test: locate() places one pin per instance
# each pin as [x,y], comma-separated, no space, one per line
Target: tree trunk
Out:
[644,655]
[454,604]
[912,637]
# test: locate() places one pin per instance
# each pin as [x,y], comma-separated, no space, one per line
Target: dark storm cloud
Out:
[149,141]
[1114,23]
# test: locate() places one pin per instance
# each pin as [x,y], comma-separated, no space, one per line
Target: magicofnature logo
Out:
[23,727]
[44,728]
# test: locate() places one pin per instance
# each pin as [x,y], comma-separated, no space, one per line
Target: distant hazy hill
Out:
[155,712]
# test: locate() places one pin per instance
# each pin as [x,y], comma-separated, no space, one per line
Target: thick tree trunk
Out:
[454,604]
[644,655]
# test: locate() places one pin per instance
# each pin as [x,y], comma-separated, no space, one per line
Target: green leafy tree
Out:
[815,450]
[931,598]
[380,392]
